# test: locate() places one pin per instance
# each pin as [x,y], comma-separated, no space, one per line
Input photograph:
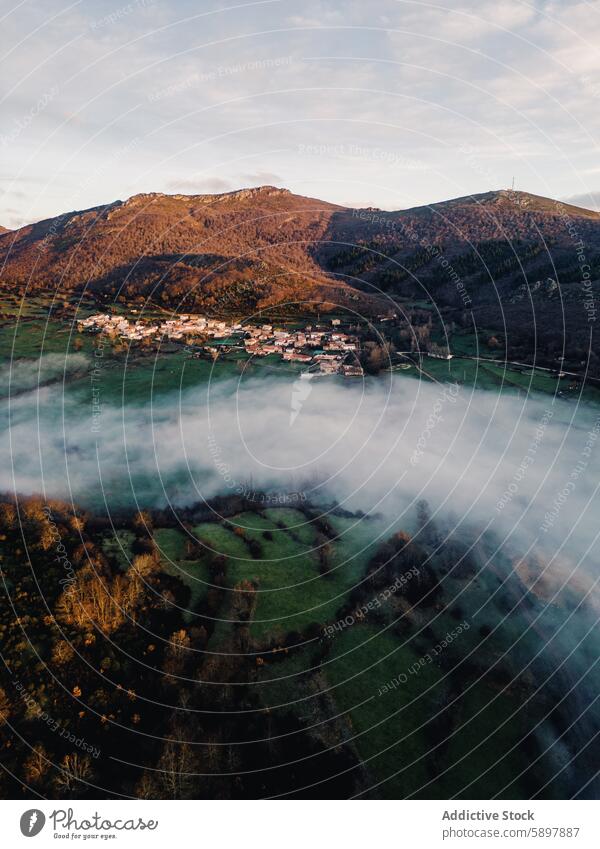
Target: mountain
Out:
[496,239]
[522,266]
[237,250]
[516,260]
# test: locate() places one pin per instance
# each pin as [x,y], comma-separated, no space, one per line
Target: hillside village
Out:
[323,349]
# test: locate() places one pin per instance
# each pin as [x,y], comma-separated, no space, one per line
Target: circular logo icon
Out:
[32,822]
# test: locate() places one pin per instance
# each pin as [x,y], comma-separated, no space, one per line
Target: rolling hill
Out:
[236,250]
[515,260]
[525,266]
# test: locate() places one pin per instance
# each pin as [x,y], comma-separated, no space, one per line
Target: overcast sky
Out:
[385,103]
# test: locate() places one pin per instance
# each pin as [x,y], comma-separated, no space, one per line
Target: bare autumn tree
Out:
[147,787]
[376,356]
[324,552]
[39,530]
[176,653]
[142,523]
[144,565]
[91,598]
[75,769]
[175,764]
[62,652]
[242,608]
[243,601]
[8,516]
[36,764]
[32,511]
[4,706]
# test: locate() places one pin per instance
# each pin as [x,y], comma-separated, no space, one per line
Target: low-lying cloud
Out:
[30,374]
[526,467]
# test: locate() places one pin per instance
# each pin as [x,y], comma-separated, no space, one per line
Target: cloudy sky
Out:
[390,103]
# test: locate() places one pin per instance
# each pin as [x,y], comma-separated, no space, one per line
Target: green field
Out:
[118,545]
[194,573]
[291,592]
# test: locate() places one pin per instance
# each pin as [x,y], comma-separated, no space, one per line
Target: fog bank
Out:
[527,467]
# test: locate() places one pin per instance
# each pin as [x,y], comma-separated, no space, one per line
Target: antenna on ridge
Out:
[513,185]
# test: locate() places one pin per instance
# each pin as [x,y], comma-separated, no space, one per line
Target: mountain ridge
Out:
[255,247]
[495,195]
